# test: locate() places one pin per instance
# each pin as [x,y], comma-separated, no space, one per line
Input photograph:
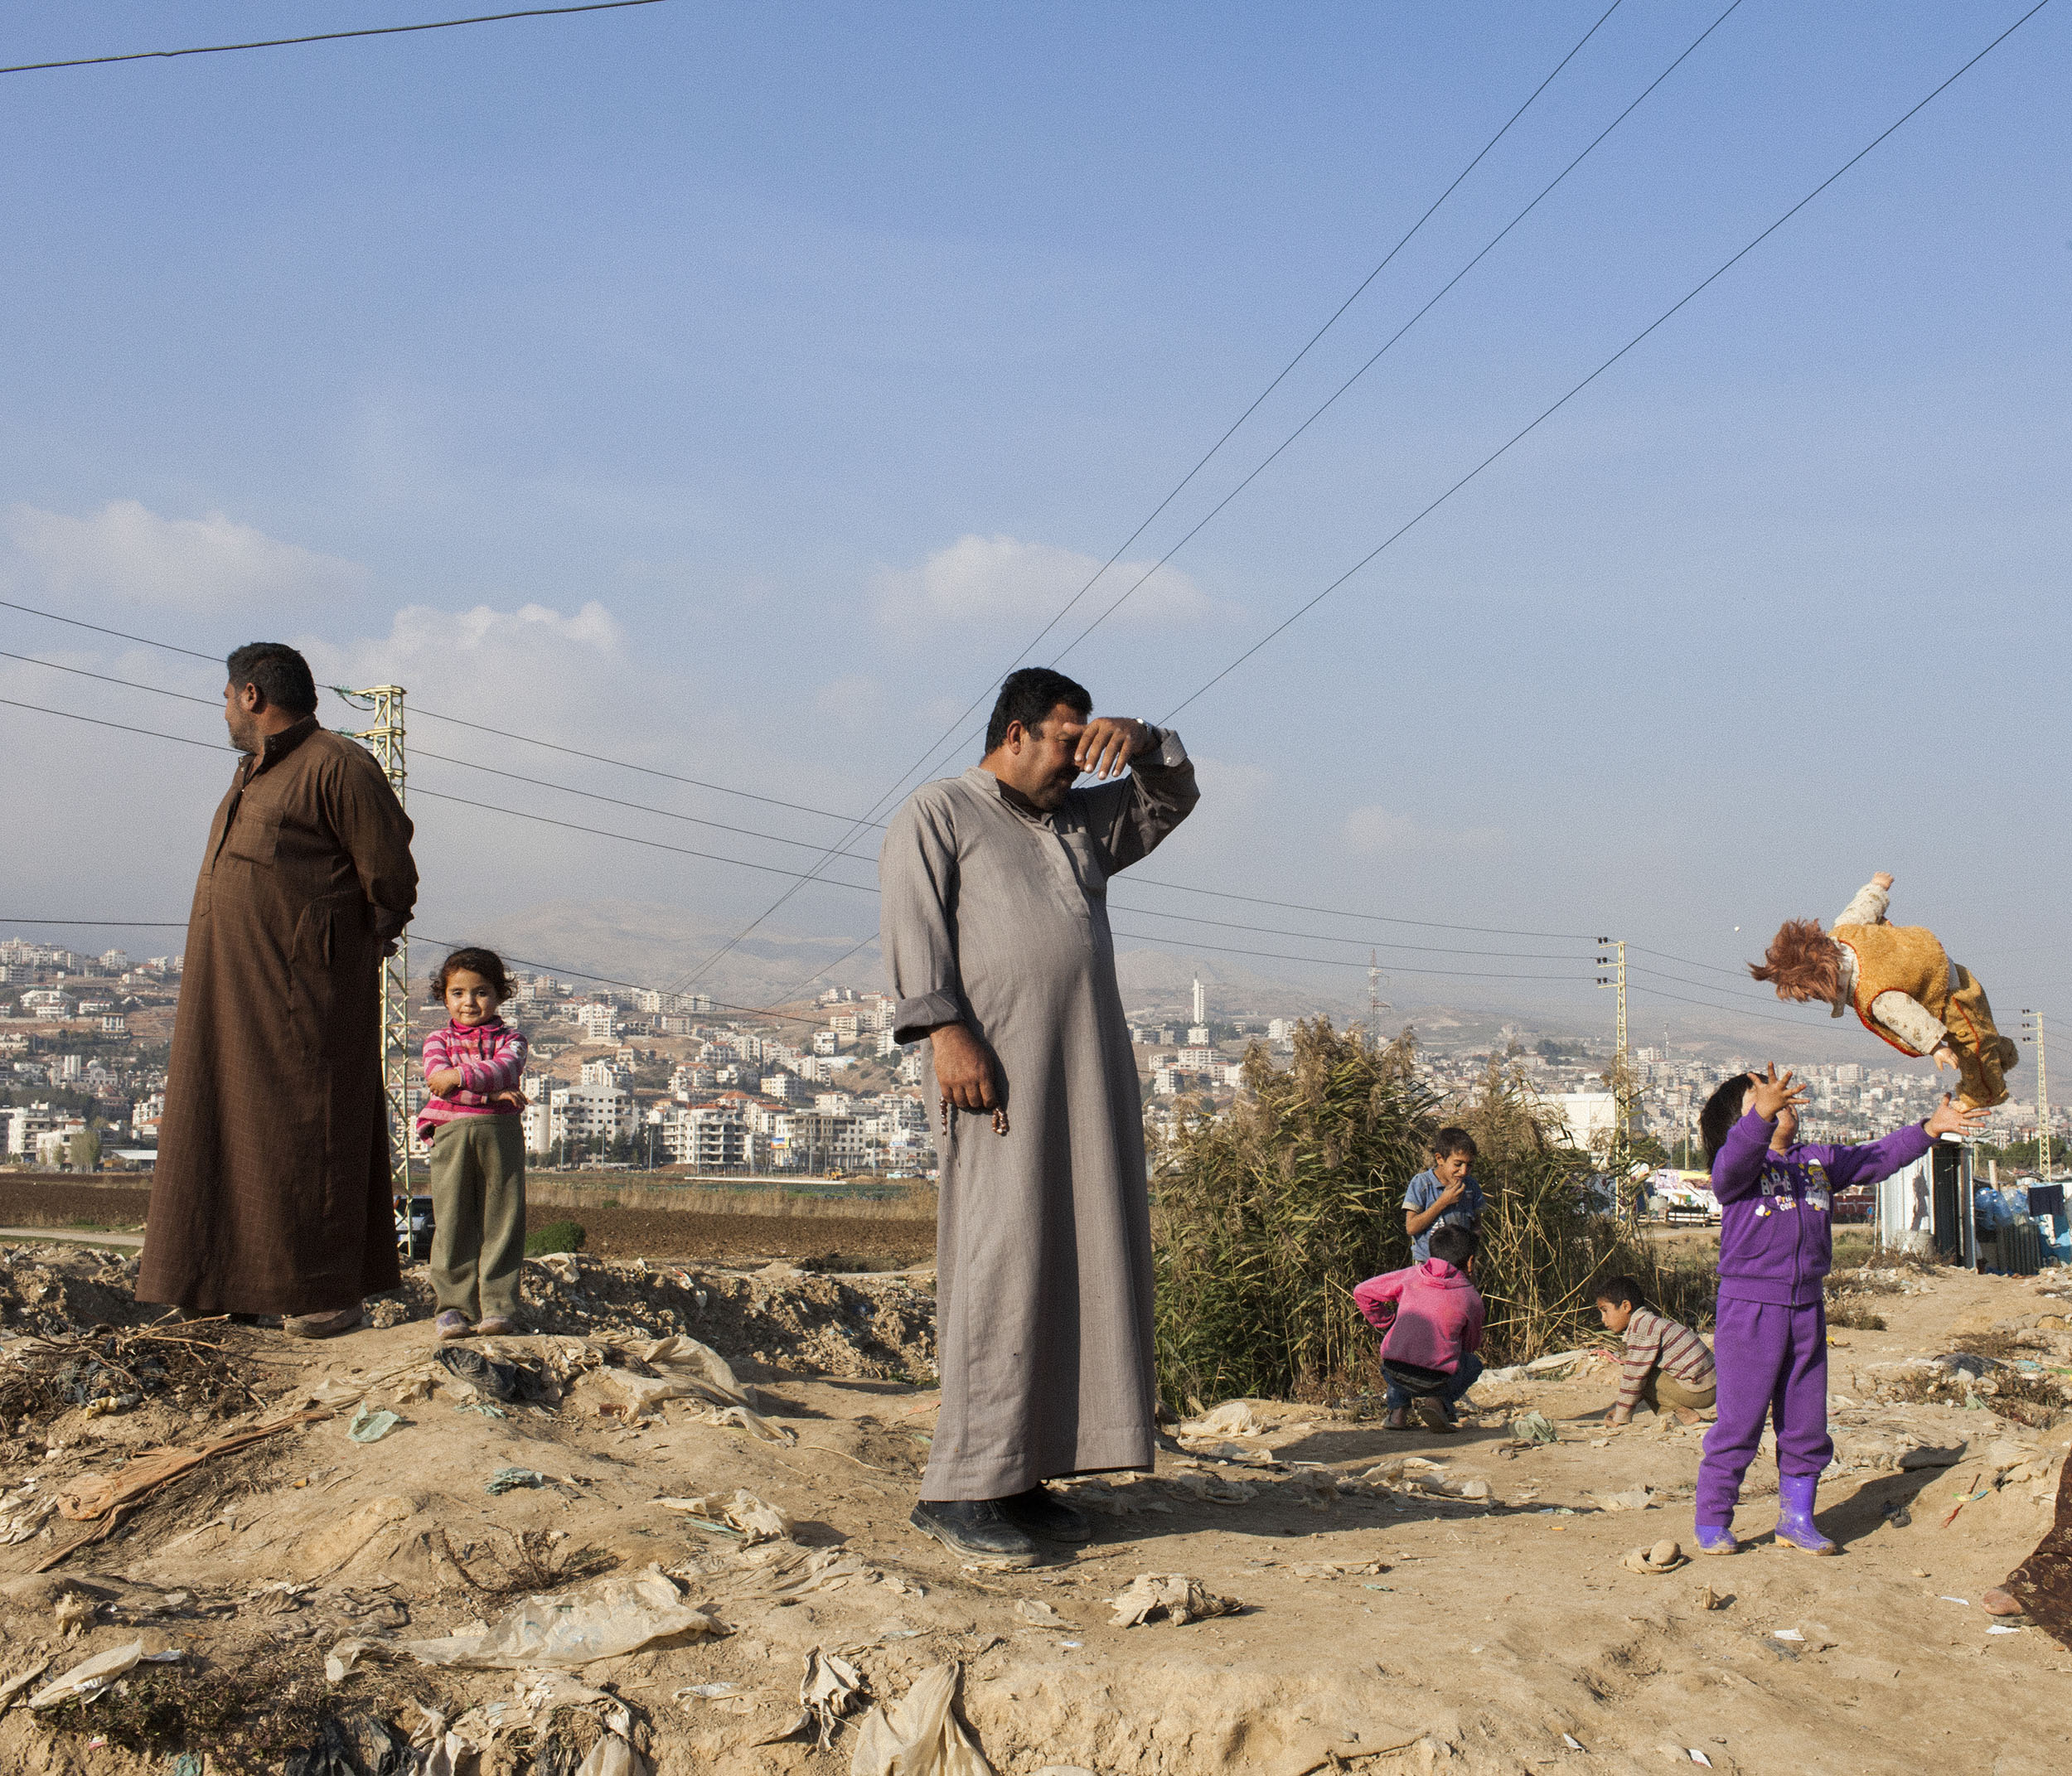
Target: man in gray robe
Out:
[995,933]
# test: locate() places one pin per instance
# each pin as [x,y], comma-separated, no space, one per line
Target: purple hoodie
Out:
[1775,1245]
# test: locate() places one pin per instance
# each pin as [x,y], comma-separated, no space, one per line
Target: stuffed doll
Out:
[1900,981]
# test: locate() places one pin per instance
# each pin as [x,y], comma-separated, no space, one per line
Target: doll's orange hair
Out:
[1802,962]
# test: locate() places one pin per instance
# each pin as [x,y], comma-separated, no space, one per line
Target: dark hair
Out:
[281,674]
[1029,696]
[1452,1141]
[1721,1112]
[1621,1291]
[1455,1245]
[486,963]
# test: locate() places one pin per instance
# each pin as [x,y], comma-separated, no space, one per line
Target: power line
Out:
[1548,412]
[1381,918]
[141,641]
[928,753]
[328,37]
[149,733]
[53,666]
[1767,1017]
[1387,344]
[116,925]
[1318,961]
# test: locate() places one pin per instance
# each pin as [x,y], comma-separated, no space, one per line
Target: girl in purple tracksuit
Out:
[1770,1339]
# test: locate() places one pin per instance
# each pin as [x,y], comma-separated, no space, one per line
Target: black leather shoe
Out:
[1040,1514]
[975,1529]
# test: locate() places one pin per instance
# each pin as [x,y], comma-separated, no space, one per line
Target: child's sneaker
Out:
[495,1326]
[452,1324]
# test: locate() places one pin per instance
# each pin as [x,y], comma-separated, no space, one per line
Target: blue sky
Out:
[737,391]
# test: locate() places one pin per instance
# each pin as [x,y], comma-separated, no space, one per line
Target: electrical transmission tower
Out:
[1612,954]
[384,740]
[2034,1034]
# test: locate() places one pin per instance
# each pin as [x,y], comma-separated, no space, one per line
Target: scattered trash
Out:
[1335,1569]
[1233,1418]
[2003,1631]
[740,1418]
[612,1756]
[101,1501]
[1178,1599]
[920,1735]
[830,1688]
[340,1661]
[487,1408]
[1699,1757]
[1037,1613]
[1965,1601]
[1664,1557]
[498,1379]
[1786,1634]
[84,1683]
[1573,1743]
[596,1621]
[371,1427]
[1533,1427]
[21,1680]
[705,1692]
[745,1514]
[509,1480]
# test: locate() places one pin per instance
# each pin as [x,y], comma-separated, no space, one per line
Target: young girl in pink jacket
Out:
[1431,1317]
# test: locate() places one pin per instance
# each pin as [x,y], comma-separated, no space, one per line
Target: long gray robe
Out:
[998,917]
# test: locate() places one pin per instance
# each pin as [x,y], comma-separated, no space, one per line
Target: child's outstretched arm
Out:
[1869,905]
[1881,1158]
[1738,1168]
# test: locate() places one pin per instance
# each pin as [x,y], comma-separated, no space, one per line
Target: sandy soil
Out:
[829,1241]
[1383,1627]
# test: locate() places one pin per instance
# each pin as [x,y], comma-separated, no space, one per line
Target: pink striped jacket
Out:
[492,1057]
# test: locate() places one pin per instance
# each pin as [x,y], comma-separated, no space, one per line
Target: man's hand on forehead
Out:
[1103,745]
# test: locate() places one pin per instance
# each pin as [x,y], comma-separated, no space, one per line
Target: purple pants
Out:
[1773,1362]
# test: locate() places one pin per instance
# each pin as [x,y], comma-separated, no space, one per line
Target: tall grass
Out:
[1265,1219]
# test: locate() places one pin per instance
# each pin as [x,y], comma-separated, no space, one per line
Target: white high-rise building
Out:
[1201,1003]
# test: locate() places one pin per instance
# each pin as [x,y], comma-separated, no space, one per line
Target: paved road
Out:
[71,1236]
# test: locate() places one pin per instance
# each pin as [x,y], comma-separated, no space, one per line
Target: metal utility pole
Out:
[1374,996]
[1612,954]
[2034,1034]
[384,740]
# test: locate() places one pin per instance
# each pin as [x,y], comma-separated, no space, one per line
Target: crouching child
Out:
[1668,1366]
[1430,1318]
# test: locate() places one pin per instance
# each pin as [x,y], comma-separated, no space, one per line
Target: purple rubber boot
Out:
[1717,1538]
[1795,1513]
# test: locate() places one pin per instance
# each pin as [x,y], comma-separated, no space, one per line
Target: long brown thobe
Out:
[997,916]
[272,1190]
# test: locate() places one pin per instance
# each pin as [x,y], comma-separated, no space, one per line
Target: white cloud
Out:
[552,665]
[996,579]
[197,564]
[1374,831]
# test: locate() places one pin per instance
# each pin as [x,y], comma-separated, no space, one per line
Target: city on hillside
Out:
[645,1079]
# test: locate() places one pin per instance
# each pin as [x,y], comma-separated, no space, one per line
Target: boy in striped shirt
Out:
[1668,1366]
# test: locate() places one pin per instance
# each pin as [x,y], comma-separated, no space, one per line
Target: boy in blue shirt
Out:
[1443,1195]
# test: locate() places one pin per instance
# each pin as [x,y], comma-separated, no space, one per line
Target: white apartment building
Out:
[687,1080]
[711,1138]
[1589,1117]
[48,1002]
[26,1122]
[835,1103]
[846,1025]
[825,1041]
[596,1114]
[605,1073]
[787,1088]
[598,1021]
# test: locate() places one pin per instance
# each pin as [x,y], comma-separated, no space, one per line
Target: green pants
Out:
[478,1214]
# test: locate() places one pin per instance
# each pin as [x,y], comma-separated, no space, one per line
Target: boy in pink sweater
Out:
[1430,1318]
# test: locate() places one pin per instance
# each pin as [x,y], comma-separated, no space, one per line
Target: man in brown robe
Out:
[271,1195]
[996,933]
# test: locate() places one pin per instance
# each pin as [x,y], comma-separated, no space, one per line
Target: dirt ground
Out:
[829,1241]
[1385,1624]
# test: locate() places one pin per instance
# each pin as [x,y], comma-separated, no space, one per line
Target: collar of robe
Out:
[1013,797]
[279,745]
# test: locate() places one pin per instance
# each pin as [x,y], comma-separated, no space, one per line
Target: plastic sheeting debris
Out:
[830,1688]
[509,1480]
[1037,1613]
[1233,1418]
[920,1735]
[371,1426]
[596,1621]
[494,1377]
[20,1681]
[1174,1596]
[1663,1556]
[86,1682]
[612,1756]
[747,1516]
[1533,1427]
